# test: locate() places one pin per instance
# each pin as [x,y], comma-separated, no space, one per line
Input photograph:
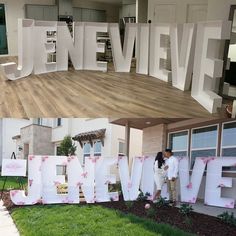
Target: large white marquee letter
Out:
[91,46]
[189,186]
[159,51]
[215,181]
[68,45]
[130,185]
[206,67]
[34,195]
[25,52]
[142,49]
[182,54]
[104,178]
[44,46]
[122,59]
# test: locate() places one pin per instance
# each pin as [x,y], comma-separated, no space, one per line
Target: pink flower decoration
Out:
[31,157]
[115,198]
[30,182]
[141,159]
[85,174]
[147,206]
[40,201]
[64,163]
[189,186]
[70,158]
[208,159]
[14,192]
[79,184]
[129,185]
[146,157]
[56,183]
[44,158]
[94,159]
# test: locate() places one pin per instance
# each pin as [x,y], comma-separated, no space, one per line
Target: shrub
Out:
[161,202]
[185,209]
[129,204]
[228,218]
[151,212]
[143,197]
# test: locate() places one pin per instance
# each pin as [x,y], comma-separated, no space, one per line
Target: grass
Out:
[11,183]
[86,220]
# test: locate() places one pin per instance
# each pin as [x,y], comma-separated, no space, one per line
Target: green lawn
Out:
[11,183]
[85,220]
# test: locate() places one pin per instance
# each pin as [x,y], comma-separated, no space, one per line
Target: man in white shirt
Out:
[172,174]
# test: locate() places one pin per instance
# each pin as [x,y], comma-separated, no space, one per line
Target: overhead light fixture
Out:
[148,122]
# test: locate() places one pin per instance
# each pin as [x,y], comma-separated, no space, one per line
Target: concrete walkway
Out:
[210,210]
[7,226]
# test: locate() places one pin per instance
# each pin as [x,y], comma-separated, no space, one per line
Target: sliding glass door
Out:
[3,31]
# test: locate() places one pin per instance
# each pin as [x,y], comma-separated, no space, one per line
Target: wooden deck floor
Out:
[94,94]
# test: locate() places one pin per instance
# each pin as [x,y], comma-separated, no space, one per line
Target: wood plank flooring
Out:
[94,94]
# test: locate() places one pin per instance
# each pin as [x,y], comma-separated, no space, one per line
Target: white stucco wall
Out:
[10,128]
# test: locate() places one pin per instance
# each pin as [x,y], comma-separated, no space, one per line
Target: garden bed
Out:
[196,223]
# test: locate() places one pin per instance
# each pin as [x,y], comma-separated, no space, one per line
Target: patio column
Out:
[127,139]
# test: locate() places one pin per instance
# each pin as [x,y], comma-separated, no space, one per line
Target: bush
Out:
[151,212]
[161,202]
[228,218]
[129,204]
[185,209]
[143,197]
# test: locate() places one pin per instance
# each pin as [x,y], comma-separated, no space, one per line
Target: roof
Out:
[90,136]
[16,137]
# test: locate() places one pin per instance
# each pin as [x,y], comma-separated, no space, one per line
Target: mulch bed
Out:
[199,224]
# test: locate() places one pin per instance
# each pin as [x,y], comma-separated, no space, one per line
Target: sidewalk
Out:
[210,210]
[7,226]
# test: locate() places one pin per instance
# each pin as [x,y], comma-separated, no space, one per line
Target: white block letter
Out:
[182,54]
[207,69]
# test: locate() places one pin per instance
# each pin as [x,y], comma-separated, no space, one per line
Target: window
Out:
[57,150]
[59,122]
[97,148]
[39,121]
[228,142]
[121,151]
[204,142]
[178,142]
[228,146]
[87,149]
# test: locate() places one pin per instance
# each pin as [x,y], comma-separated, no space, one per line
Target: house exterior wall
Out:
[154,140]
[39,140]
[10,127]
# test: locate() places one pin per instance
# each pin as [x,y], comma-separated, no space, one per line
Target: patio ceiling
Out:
[142,123]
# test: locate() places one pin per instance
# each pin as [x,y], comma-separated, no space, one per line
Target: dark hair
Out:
[160,159]
[169,150]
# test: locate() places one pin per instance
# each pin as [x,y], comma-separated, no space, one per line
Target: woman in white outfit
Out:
[159,173]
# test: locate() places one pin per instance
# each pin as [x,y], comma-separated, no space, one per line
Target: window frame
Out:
[221,143]
[92,148]
[176,132]
[208,148]
[119,153]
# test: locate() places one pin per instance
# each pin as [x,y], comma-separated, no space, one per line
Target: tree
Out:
[67,147]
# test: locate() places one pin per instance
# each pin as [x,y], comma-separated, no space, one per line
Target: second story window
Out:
[59,122]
